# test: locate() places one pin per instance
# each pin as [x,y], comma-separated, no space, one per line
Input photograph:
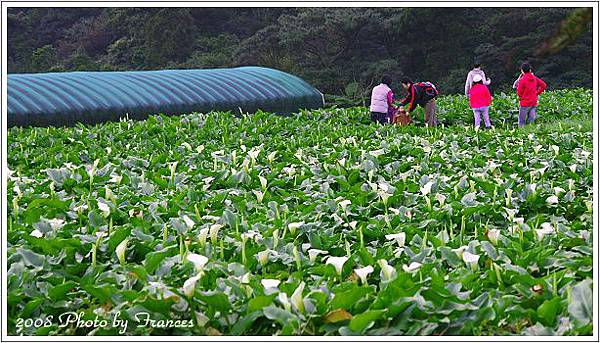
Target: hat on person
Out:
[477,78]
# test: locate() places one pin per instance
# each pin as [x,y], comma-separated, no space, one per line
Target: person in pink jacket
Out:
[480,100]
[475,71]
[382,99]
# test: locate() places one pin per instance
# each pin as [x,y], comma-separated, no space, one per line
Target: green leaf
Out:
[217,301]
[117,237]
[548,311]
[30,307]
[154,259]
[347,298]
[30,258]
[538,330]
[468,200]
[364,320]
[580,303]
[273,312]
[230,218]
[259,302]
[245,322]
[95,219]
[59,292]
[450,257]
[101,292]
[489,249]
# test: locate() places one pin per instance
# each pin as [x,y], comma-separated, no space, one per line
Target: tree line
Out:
[341,51]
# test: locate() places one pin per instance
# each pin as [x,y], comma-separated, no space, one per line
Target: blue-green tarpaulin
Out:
[59,99]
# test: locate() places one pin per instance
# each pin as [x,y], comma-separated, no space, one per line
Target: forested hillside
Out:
[339,50]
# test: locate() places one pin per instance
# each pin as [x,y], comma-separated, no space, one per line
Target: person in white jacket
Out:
[475,71]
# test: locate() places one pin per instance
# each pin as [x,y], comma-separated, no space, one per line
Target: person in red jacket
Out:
[480,100]
[529,88]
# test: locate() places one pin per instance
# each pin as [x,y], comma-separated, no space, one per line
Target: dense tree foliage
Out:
[339,50]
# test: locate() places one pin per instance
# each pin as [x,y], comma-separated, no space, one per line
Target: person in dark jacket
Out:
[422,94]
[528,89]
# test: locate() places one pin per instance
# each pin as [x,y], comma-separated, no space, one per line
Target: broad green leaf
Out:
[362,321]
[580,304]
[347,298]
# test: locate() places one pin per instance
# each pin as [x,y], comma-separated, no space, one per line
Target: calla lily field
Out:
[317,223]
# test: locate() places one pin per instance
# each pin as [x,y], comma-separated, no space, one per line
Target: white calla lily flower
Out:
[400,238]
[263,256]
[188,221]
[493,235]
[56,224]
[313,253]
[470,260]
[199,261]
[344,204]
[201,319]
[294,226]
[460,250]
[263,182]
[558,190]
[284,300]
[202,236]
[249,235]
[254,153]
[259,195]
[362,273]
[121,249]
[571,184]
[398,252]
[36,233]
[441,198]
[388,272]
[384,196]
[245,279]
[297,300]
[189,286]
[115,178]
[104,208]
[426,189]
[214,231]
[383,186]
[270,283]
[337,262]
[532,187]
[377,153]
[413,267]
[552,200]
[172,166]
[585,154]
[545,229]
